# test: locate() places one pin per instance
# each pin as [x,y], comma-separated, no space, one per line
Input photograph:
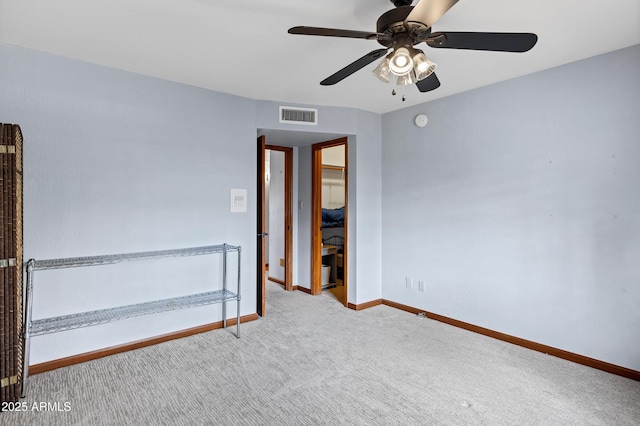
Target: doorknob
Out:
[264,234]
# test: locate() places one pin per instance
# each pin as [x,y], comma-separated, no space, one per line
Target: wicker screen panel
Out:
[11,308]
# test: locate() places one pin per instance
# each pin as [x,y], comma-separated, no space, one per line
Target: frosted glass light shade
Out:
[382,71]
[423,67]
[401,62]
[406,79]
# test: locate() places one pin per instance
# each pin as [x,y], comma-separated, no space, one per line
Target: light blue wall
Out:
[365,219]
[303,258]
[117,162]
[335,120]
[518,206]
[364,163]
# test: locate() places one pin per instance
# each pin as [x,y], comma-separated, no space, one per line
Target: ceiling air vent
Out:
[306,116]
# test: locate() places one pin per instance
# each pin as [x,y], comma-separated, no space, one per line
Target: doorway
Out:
[329,218]
[275,218]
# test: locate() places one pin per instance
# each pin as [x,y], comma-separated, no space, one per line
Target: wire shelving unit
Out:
[103,316]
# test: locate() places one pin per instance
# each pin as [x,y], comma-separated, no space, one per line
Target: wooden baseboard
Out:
[549,350]
[100,353]
[560,353]
[402,307]
[302,289]
[365,305]
[275,280]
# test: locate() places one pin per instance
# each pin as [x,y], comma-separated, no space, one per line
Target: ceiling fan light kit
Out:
[406,26]
[408,65]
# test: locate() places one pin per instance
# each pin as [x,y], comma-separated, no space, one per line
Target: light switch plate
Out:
[238,201]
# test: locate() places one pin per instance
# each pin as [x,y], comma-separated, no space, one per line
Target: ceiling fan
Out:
[404,27]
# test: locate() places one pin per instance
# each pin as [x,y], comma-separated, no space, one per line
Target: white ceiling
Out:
[242,46]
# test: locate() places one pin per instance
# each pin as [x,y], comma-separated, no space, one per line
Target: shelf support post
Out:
[224,285]
[238,295]
[26,326]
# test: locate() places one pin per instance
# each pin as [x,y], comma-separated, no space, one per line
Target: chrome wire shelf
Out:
[74,262]
[103,316]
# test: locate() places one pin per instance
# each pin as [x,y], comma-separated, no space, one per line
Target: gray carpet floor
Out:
[312,361]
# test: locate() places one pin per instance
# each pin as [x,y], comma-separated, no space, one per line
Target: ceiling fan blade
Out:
[497,42]
[333,32]
[429,83]
[353,67]
[429,11]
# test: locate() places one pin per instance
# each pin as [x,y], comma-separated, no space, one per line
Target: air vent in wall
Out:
[307,116]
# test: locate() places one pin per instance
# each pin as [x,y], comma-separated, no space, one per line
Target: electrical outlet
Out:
[409,282]
[282,262]
[421,286]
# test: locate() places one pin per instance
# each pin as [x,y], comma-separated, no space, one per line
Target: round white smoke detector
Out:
[421,120]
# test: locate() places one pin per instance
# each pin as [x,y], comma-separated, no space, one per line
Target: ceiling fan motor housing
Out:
[393,23]
[398,3]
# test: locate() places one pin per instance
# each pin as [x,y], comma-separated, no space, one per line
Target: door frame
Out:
[316,216]
[261,231]
[261,296]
